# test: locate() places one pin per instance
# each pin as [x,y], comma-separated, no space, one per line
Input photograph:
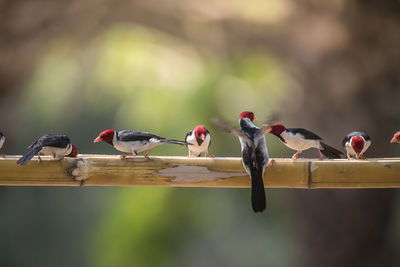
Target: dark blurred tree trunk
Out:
[351,86]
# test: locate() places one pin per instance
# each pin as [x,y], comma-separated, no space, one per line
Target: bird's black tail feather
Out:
[29,155]
[177,142]
[258,199]
[330,152]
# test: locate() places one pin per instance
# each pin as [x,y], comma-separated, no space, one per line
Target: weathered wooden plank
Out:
[108,170]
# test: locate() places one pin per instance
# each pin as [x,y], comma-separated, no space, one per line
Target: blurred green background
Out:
[79,67]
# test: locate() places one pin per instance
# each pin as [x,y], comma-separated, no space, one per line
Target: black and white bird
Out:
[200,140]
[57,146]
[356,143]
[255,157]
[396,138]
[301,139]
[2,140]
[134,142]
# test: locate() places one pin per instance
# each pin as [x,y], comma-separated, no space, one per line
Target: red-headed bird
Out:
[356,143]
[57,146]
[133,142]
[200,140]
[396,138]
[301,139]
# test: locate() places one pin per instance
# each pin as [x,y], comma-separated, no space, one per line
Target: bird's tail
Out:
[330,152]
[258,201]
[29,155]
[177,142]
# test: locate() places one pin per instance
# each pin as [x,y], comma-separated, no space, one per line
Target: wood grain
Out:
[109,170]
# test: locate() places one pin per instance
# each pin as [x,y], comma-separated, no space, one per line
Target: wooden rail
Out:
[109,170]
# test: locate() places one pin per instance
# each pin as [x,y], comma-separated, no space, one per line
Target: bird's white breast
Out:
[56,152]
[298,142]
[138,146]
[197,149]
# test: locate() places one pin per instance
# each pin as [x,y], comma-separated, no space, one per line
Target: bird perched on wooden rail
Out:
[134,142]
[356,143]
[255,157]
[57,146]
[2,140]
[200,140]
[396,138]
[300,139]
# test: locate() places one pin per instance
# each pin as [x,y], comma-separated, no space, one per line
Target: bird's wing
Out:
[60,141]
[127,135]
[230,129]
[188,134]
[306,133]
[345,140]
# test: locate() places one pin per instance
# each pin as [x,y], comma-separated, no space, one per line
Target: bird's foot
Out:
[210,155]
[190,156]
[321,156]
[39,159]
[146,156]
[349,158]
[363,158]
[271,162]
[296,155]
[2,156]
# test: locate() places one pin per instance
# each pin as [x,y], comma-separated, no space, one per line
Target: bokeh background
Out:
[79,67]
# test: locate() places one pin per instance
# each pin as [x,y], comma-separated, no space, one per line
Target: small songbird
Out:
[301,139]
[356,143]
[396,138]
[57,146]
[134,142]
[255,157]
[2,140]
[200,139]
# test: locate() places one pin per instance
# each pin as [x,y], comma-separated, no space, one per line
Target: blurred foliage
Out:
[165,66]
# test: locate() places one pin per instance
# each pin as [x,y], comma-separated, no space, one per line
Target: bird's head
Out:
[105,136]
[74,152]
[276,129]
[357,143]
[200,132]
[396,138]
[248,114]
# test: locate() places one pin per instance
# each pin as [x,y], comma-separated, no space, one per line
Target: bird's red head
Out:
[105,136]
[357,143]
[248,114]
[74,152]
[200,132]
[396,138]
[276,129]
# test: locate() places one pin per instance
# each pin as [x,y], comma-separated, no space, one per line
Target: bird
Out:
[200,139]
[300,139]
[255,158]
[396,138]
[356,143]
[134,142]
[58,146]
[2,140]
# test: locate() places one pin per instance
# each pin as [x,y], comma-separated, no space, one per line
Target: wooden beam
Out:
[109,170]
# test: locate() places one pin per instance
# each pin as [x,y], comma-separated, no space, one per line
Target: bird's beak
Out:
[98,139]
[394,140]
[269,130]
[255,117]
[202,137]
